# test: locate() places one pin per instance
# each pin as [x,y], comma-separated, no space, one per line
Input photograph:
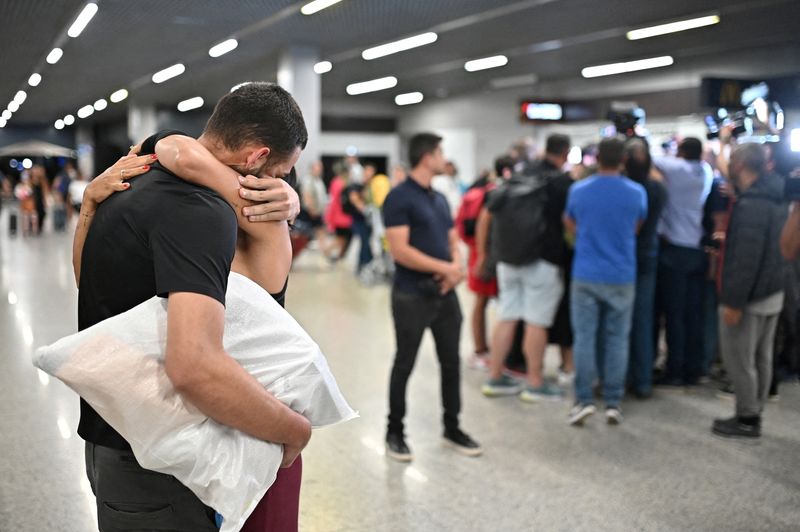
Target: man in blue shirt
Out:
[682,263]
[425,248]
[605,211]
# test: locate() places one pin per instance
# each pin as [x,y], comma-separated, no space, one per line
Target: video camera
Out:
[759,119]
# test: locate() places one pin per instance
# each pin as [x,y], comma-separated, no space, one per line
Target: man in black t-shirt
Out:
[425,247]
[170,238]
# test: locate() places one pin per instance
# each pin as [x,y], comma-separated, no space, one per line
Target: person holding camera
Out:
[751,287]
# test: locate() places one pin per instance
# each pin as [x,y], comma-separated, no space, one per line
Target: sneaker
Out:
[505,385]
[613,415]
[396,448]
[579,413]
[565,378]
[479,361]
[734,428]
[545,392]
[515,373]
[462,443]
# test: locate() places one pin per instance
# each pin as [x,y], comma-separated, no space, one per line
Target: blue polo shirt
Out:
[607,210]
[427,215]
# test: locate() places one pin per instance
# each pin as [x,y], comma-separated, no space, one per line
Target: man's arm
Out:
[412,258]
[790,236]
[482,241]
[200,369]
[570,226]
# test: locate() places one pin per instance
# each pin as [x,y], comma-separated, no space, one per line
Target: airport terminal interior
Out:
[626,358]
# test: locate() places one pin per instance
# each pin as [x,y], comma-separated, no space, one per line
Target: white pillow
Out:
[117,367]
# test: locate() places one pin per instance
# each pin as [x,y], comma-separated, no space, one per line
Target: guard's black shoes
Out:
[735,427]
[461,442]
[396,448]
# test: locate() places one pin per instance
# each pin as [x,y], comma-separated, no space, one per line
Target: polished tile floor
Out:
[660,470]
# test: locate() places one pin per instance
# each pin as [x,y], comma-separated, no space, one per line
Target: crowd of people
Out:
[598,260]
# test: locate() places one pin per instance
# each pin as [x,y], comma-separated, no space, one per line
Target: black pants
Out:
[413,314]
[132,498]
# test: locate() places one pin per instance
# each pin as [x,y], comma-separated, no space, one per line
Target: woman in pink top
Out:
[339,222]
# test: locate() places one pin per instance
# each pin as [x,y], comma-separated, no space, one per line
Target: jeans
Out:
[601,316]
[413,314]
[681,282]
[363,231]
[642,349]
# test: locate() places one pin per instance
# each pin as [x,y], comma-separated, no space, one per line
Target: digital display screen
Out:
[542,111]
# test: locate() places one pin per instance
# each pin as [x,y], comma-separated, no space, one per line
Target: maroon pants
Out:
[279,509]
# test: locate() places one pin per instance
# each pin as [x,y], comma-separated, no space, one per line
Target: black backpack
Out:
[348,206]
[519,219]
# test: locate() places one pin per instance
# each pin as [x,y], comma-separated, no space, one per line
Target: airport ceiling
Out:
[128,41]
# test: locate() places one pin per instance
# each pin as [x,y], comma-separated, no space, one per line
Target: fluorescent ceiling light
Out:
[372,85]
[20,97]
[118,96]
[69,120]
[85,111]
[629,66]
[399,46]
[487,62]
[323,66]
[100,104]
[59,124]
[514,81]
[13,107]
[223,48]
[34,80]
[317,5]
[408,99]
[672,27]
[82,20]
[240,85]
[54,55]
[191,103]
[168,73]
[3,122]
[6,115]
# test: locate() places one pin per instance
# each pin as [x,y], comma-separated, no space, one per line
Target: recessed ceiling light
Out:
[487,62]
[54,55]
[34,80]
[323,66]
[191,103]
[409,98]
[118,96]
[168,73]
[3,123]
[672,27]
[6,115]
[13,107]
[317,5]
[82,20]
[59,124]
[69,120]
[628,66]
[85,111]
[223,48]
[20,97]
[399,46]
[100,104]
[372,85]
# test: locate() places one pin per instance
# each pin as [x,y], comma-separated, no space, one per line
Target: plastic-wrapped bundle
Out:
[117,367]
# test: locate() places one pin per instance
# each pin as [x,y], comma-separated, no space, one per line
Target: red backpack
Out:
[467,217]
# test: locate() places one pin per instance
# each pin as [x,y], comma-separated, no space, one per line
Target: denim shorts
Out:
[530,293]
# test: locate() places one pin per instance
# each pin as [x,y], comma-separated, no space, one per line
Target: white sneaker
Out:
[614,416]
[565,379]
[580,413]
[479,361]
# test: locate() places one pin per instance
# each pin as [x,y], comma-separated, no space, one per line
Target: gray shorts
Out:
[530,293]
[130,497]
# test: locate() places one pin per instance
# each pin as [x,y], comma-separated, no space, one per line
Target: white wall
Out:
[480,127]
[380,144]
